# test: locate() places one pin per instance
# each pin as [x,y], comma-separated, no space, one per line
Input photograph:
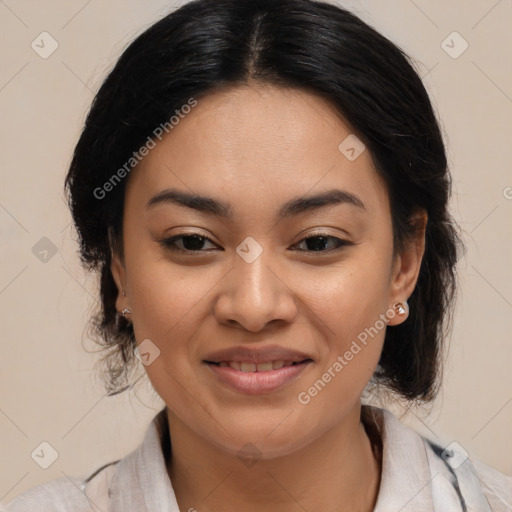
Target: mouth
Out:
[250,367]
[257,370]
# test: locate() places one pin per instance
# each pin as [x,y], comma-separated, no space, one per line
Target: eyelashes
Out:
[196,242]
[170,243]
[339,243]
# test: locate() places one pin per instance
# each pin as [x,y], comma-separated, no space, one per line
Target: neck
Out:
[338,471]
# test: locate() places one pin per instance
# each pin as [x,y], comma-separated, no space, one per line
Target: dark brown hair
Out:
[305,44]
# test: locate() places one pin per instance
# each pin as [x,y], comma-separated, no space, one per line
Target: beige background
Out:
[49,387]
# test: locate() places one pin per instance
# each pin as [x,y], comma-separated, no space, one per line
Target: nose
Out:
[254,294]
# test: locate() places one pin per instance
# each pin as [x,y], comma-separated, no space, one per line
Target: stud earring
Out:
[401,308]
[125,312]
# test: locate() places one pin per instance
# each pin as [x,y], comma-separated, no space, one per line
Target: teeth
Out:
[277,364]
[247,366]
[264,367]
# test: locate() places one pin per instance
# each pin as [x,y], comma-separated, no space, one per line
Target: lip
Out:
[257,382]
[257,354]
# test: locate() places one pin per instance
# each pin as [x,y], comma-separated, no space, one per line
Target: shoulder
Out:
[441,475]
[67,494]
[474,480]
[120,484]
[496,486]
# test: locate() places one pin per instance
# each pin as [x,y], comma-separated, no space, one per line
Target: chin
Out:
[259,446]
[269,434]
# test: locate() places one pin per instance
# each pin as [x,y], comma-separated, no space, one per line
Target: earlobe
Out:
[402,308]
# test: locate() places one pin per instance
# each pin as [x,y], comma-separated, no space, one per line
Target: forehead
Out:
[259,142]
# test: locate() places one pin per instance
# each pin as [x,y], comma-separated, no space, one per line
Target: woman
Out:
[263,188]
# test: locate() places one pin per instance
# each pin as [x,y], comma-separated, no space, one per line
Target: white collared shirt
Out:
[417,475]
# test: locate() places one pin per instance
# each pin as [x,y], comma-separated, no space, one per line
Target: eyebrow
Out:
[294,207]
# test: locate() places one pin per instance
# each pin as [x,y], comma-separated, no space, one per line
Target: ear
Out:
[407,266]
[118,270]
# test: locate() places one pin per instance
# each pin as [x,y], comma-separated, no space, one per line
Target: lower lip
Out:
[255,383]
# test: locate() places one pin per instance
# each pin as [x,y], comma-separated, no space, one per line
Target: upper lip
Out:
[256,354]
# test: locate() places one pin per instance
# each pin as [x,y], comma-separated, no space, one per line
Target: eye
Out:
[319,241]
[194,243]
[190,242]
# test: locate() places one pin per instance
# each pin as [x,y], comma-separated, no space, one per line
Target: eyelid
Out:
[168,241]
[340,242]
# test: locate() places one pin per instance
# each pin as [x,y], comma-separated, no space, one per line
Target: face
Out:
[260,311]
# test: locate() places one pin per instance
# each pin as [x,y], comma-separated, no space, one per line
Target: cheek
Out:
[351,303]
[162,293]
[352,309]
[167,310]
[170,305]
[352,297]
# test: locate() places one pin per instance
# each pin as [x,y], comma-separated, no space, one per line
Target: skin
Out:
[256,147]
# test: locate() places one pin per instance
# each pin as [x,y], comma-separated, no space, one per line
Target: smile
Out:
[248,366]
[257,378]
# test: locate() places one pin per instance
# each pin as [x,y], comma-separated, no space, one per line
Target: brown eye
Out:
[320,243]
[186,243]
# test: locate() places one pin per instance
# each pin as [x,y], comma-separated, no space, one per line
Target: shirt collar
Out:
[405,484]
[141,482]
